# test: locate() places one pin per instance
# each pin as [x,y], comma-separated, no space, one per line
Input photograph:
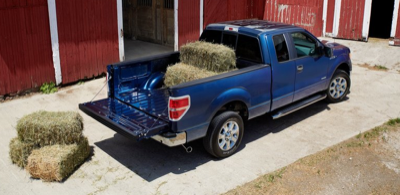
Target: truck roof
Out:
[251,26]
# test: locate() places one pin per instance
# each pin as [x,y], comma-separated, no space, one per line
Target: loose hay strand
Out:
[56,162]
[48,128]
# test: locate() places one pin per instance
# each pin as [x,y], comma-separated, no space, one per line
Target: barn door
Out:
[168,22]
[348,19]
[395,30]
[158,20]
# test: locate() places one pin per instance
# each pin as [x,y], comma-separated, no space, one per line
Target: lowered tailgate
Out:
[137,114]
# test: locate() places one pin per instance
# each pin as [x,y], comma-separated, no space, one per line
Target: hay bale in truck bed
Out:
[209,56]
[181,73]
[20,151]
[49,128]
[56,162]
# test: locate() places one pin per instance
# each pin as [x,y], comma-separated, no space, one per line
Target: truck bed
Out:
[138,110]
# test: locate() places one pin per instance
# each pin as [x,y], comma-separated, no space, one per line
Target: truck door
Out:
[311,65]
[283,72]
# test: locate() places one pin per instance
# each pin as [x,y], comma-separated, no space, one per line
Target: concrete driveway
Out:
[123,166]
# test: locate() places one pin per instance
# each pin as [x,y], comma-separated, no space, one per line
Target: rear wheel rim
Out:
[337,87]
[228,135]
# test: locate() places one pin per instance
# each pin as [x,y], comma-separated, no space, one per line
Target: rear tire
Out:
[224,135]
[338,87]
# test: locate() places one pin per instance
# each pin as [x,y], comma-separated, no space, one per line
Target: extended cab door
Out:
[283,71]
[311,64]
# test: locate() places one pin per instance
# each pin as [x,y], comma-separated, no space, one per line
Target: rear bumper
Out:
[177,140]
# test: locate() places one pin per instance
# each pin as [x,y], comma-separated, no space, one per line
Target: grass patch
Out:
[355,144]
[380,67]
[375,67]
[271,178]
[358,136]
[48,88]
[393,122]
[318,166]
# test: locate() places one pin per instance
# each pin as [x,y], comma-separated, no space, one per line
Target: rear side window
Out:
[281,48]
[248,48]
[212,36]
[229,40]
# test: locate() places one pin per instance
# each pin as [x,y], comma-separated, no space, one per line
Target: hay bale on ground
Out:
[209,56]
[19,151]
[56,162]
[181,73]
[49,128]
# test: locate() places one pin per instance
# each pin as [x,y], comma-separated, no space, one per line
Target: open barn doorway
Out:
[148,27]
[381,18]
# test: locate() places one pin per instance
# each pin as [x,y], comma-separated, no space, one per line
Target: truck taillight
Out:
[177,107]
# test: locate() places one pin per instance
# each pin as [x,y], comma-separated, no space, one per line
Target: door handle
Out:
[300,68]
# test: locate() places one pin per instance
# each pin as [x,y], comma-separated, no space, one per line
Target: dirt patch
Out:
[374,67]
[366,164]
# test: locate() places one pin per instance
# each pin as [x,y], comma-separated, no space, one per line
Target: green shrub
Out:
[48,88]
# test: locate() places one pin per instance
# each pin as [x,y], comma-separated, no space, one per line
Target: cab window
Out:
[281,48]
[248,48]
[304,44]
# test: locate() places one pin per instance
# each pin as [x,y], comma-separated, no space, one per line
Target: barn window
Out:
[148,3]
[169,4]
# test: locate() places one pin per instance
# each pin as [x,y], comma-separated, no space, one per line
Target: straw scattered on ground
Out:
[56,162]
[49,128]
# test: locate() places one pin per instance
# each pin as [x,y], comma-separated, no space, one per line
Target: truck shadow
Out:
[151,160]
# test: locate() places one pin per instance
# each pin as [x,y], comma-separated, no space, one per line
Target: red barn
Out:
[64,41]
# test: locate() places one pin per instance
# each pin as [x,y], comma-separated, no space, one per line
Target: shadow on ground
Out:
[151,160]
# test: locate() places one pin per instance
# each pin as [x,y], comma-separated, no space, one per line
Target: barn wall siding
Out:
[224,10]
[25,50]
[303,13]
[397,33]
[88,37]
[188,21]
[398,24]
[330,16]
[351,19]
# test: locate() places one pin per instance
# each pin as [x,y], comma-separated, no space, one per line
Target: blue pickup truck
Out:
[281,68]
